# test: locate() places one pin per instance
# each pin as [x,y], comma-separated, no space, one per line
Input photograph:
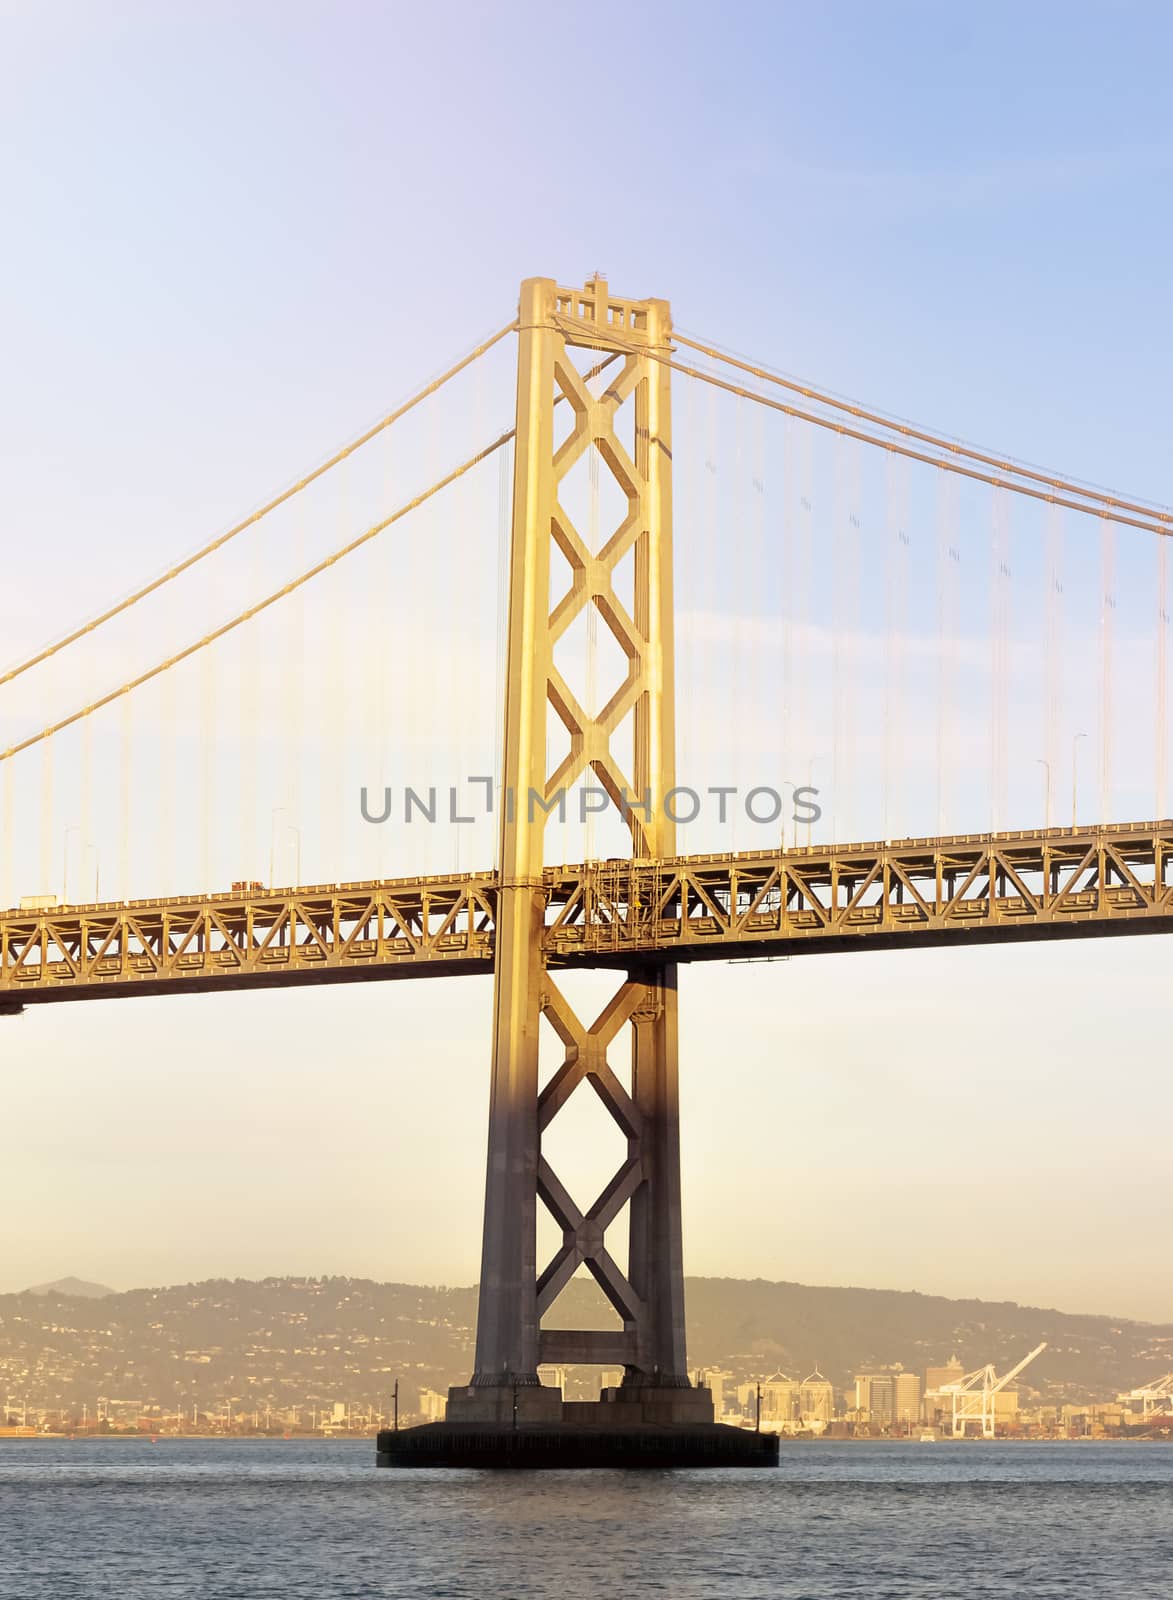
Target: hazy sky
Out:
[234,235]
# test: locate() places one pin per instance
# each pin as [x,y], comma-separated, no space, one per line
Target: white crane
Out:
[1154,1397]
[973,1395]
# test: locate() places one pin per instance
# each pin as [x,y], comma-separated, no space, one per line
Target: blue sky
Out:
[235,235]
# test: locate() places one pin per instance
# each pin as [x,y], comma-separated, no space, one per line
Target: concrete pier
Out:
[562,1445]
[638,1424]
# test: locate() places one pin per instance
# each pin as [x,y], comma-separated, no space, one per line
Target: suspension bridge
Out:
[486,680]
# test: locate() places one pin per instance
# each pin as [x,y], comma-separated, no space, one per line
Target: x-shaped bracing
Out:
[583,1234]
[593,582]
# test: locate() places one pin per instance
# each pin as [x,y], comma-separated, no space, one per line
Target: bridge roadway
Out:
[896,894]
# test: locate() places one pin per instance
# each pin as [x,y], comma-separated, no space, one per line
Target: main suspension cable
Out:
[258,515]
[289,588]
[1165,529]
[261,605]
[1106,511]
[955,447]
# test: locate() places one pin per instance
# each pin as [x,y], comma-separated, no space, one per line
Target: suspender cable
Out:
[322,624]
[838,684]
[430,706]
[7,894]
[846,582]
[737,592]
[338,705]
[46,865]
[713,659]
[1053,717]
[207,763]
[999,685]
[126,789]
[1159,745]
[86,809]
[787,588]
[263,511]
[292,690]
[803,570]
[466,635]
[896,624]
[46,816]
[688,679]
[1107,631]
[854,575]
[381,589]
[948,585]
[765,638]
[167,765]
[504,524]
[251,667]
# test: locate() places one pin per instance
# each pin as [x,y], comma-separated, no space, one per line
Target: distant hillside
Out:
[73,1286]
[751,1325]
[297,1341]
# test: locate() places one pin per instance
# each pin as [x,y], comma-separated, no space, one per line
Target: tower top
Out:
[594,317]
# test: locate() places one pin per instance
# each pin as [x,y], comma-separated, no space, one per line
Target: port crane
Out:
[973,1395]
[1156,1399]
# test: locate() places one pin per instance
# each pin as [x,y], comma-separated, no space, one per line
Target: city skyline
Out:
[341,1355]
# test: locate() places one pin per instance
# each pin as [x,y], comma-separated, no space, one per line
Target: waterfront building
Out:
[906,1399]
[779,1401]
[938,1377]
[433,1405]
[816,1398]
[875,1397]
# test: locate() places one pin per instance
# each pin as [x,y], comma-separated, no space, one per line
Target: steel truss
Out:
[424,926]
[965,888]
[902,894]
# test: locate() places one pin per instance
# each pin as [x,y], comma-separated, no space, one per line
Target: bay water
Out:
[295,1519]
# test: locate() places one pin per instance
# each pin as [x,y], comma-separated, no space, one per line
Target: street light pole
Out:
[277,810]
[75,828]
[1047,808]
[812,762]
[1075,777]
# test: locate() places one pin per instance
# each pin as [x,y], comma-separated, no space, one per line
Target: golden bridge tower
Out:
[515,1293]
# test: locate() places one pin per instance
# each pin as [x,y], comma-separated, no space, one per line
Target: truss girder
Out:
[1112,879]
[965,887]
[321,934]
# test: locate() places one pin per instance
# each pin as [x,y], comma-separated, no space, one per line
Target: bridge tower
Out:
[633,768]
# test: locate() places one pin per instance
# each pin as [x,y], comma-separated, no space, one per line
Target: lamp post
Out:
[97,869]
[1042,762]
[277,810]
[289,828]
[75,828]
[1075,777]
[811,763]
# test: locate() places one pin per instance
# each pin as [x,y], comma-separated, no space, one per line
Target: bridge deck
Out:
[905,893]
